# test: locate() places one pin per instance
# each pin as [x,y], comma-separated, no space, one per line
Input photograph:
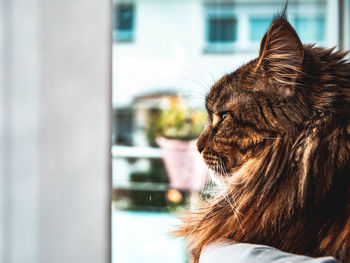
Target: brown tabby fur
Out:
[278,134]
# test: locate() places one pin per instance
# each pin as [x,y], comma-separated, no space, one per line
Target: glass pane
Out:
[222,30]
[310,29]
[123,22]
[258,27]
[124,17]
[160,83]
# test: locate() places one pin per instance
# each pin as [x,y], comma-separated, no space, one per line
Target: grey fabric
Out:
[249,253]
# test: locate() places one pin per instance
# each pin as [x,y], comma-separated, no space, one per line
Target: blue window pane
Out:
[222,30]
[310,29]
[124,17]
[258,27]
[124,21]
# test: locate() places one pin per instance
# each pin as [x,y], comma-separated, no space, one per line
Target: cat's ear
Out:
[281,56]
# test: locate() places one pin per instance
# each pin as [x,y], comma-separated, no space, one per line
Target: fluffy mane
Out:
[292,194]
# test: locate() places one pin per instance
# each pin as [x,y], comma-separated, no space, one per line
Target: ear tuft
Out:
[281,55]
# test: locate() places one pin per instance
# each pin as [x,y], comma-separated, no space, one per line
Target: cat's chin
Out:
[216,177]
[220,179]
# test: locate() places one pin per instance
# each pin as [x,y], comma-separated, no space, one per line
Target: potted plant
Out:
[176,130]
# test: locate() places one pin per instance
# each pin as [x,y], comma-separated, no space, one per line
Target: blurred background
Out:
[166,56]
[101,102]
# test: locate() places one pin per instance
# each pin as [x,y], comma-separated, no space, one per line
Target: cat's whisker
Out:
[270,138]
[204,87]
[225,177]
[209,186]
[200,78]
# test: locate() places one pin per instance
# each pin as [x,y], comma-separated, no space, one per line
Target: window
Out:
[182,47]
[258,27]
[124,22]
[123,125]
[310,29]
[222,30]
[235,28]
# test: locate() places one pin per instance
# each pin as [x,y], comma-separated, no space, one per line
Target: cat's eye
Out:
[223,115]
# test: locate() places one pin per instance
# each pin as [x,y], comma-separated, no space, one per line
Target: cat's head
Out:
[261,102]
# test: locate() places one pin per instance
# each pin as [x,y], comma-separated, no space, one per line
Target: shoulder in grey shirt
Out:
[249,253]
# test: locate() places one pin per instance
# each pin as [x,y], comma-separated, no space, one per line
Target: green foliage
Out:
[176,122]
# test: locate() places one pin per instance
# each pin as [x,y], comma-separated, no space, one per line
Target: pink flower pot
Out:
[184,165]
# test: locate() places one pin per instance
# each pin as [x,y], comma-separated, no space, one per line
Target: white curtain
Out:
[55,134]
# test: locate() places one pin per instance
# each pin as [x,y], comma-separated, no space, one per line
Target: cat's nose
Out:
[200,148]
[202,140]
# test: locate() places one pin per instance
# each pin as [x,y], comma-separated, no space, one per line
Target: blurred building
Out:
[189,44]
[164,43]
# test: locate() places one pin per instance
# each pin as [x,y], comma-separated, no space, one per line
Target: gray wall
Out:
[55,114]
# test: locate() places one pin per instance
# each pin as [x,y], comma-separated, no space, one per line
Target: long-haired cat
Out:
[278,136]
